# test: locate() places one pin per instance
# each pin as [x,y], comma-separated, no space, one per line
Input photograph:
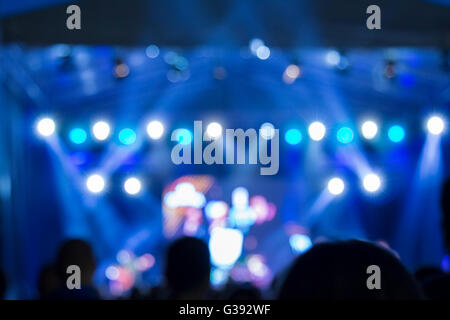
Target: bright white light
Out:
[95,183]
[155,129]
[316,131]
[214,130]
[216,209]
[435,125]
[184,195]
[333,58]
[46,127]
[371,183]
[101,130]
[132,186]
[336,186]
[239,198]
[300,243]
[263,52]
[267,131]
[369,129]
[225,246]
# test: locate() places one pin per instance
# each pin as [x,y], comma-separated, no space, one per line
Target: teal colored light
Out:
[183,136]
[127,136]
[396,133]
[77,135]
[293,136]
[345,135]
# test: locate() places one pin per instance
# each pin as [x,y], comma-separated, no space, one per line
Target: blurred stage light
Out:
[225,246]
[95,183]
[336,186]
[300,243]
[316,130]
[216,209]
[101,130]
[371,183]
[112,273]
[293,136]
[435,125]
[267,130]
[255,44]
[77,136]
[396,133]
[239,198]
[333,58]
[345,135]
[263,52]
[132,186]
[121,70]
[183,136]
[46,127]
[152,51]
[369,129]
[127,136]
[291,73]
[155,129]
[214,130]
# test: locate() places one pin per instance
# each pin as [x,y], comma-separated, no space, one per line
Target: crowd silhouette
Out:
[328,271]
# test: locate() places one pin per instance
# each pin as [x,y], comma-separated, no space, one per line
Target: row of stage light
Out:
[101,130]
[369,129]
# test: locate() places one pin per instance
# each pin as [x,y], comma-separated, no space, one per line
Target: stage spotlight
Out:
[293,136]
[46,127]
[132,186]
[369,129]
[336,186]
[127,136]
[101,130]
[214,130]
[316,130]
[371,183]
[225,246]
[263,52]
[267,130]
[121,70]
[152,51]
[155,129]
[396,133]
[333,58]
[435,125]
[291,73]
[95,183]
[183,136]
[77,136]
[345,135]
[300,243]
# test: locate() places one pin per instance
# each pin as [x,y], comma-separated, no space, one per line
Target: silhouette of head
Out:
[76,252]
[339,270]
[445,204]
[48,282]
[188,268]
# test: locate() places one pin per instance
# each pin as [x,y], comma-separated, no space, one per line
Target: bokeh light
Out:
[345,135]
[46,127]
[396,133]
[77,136]
[316,131]
[95,183]
[127,136]
[101,130]
[336,186]
[293,136]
